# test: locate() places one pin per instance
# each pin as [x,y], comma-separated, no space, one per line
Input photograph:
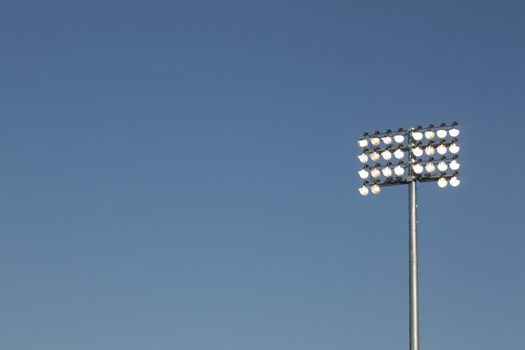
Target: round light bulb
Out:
[399,170]
[418,152]
[363,190]
[375,141]
[442,166]
[375,173]
[441,133]
[454,165]
[399,138]
[418,168]
[418,136]
[454,148]
[430,167]
[374,156]
[441,149]
[362,143]
[430,135]
[454,182]
[430,150]
[363,158]
[387,155]
[399,154]
[387,140]
[363,174]
[387,172]
[376,189]
[454,132]
[442,182]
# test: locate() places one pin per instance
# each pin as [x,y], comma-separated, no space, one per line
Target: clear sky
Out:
[182,174]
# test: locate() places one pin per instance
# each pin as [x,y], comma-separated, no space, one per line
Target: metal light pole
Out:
[415,149]
[413,285]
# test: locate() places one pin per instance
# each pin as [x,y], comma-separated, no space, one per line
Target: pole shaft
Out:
[413,275]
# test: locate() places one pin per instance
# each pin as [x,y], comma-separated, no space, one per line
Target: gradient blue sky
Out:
[182,174]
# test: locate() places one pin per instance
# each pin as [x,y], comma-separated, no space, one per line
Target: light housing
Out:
[363,190]
[422,154]
[454,181]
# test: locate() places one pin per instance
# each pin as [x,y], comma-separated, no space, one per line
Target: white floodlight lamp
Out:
[454,148]
[442,182]
[417,151]
[441,149]
[376,189]
[375,141]
[374,156]
[429,134]
[454,164]
[363,190]
[399,170]
[399,154]
[363,174]
[441,133]
[430,150]
[416,135]
[430,167]
[417,168]
[387,155]
[399,137]
[454,132]
[442,166]
[387,172]
[363,158]
[454,181]
[362,143]
[387,140]
[375,173]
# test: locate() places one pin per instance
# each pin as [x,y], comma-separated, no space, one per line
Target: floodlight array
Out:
[421,154]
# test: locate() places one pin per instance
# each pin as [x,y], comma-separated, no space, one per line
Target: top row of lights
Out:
[387,139]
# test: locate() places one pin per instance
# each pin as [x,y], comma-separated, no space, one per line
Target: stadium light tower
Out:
[406,157]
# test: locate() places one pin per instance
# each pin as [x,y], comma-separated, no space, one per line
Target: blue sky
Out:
[182,175]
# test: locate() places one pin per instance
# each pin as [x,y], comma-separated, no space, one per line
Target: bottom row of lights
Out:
[442,182]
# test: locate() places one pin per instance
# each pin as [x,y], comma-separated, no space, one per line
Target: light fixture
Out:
[418,152]
[454,165]
[454,132]
[399,170]
[363,142]
[374,156]
[363,190]
[363,174]
[416,135]
[430,135]
[454,148]
[442,166]
[454,181]
[375,173]
[399,138]
[417,168]
[442,182]
[430,150]
[441,133]
[387,172]
[430,167]
[387,155]
[399,154]
[431,156]
[441,149]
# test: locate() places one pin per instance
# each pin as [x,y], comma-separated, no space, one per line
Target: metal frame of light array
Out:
[421,154]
